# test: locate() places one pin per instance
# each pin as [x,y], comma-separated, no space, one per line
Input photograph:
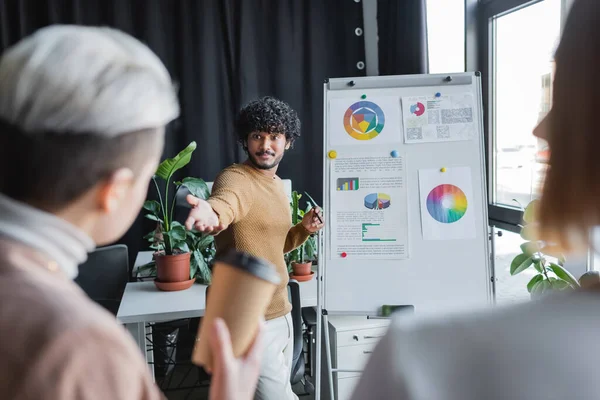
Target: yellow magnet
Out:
[332,154]
[443,169]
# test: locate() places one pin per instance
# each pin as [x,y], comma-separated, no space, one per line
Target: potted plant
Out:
[202,253]
[544,257]
[301,259]
[179,254]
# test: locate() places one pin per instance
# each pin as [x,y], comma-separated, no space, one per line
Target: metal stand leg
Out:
[139,331]
[328,356]
[318,350]
[149,353]
[319,318]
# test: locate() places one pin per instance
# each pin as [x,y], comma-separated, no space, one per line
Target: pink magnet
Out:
[344,255]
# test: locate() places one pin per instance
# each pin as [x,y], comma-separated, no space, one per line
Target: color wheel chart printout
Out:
[374,120]
[445,198]
[369,208]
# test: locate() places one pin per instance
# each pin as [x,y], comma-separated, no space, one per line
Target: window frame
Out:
[480,48]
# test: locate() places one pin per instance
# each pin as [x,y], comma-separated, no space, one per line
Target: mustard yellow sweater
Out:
[256,211]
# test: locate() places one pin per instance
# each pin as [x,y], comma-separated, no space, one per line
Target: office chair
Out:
[309,317]
[104,275]
[298,363]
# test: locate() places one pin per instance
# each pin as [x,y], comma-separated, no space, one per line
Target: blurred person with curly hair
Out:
[250,212]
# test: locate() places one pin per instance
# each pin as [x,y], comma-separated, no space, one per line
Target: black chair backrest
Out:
[296,314]
[104,275]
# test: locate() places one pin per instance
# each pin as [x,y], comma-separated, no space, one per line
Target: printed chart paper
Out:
[446,200]
[369,218]
[365,121]
[438,119]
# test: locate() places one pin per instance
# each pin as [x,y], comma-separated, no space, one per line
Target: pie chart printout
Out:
[446,203]
[377,201]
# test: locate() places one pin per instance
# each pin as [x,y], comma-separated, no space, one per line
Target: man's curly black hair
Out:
[268,114]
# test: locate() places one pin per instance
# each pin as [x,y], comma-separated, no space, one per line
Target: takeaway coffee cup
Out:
[241,290]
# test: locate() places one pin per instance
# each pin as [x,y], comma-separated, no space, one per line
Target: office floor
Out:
[202,393]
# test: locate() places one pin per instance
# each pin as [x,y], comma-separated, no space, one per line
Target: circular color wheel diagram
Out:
[377,201]
[364,120]
[446,203]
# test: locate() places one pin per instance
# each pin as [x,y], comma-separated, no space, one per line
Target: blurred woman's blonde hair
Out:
[570,204]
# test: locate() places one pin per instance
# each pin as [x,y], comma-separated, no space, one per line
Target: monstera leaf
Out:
[168,167]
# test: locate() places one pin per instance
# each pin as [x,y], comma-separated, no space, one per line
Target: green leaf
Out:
[540,287]
[204,241]
[564,274]
[177,232]
[310,248]
[168,167]
[148,269]
[311,199]
[197,187]
[183,246]
[177,224]
[533,281]
[193,265]
[153,218]
[537,264]
[153,206]
[520,263]
[295,198]
[560,285]
[149,266]
[203,271]
[150,236]
[531,211]
[529,232]
[562,260]
[530,248]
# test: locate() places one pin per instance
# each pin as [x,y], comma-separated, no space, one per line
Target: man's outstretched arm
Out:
[230,200]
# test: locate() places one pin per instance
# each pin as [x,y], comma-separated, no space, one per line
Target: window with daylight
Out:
[446,35]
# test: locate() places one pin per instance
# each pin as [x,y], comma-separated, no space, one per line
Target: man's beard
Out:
[261,164]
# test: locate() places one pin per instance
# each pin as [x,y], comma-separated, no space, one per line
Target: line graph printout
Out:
[369,217]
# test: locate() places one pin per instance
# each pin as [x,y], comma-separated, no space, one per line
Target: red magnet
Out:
[344,255]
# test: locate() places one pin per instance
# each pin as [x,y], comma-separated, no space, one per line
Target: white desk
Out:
[142,302]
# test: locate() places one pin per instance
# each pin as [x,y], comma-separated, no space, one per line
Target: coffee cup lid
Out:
[256,266]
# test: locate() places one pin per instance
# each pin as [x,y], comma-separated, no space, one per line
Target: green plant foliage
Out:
[170,236]
[550,275]
[308,250]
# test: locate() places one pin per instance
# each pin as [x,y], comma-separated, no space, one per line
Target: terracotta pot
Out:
[301,269]
[175,268]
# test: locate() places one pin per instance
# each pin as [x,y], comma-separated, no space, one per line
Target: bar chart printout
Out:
[345,184]
[378,233]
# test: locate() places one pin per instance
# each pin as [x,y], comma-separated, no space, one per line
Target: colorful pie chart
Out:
[377,201]
[446,203]
[364,120]
[417,109]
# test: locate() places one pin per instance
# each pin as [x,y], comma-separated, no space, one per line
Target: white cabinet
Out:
[352,341]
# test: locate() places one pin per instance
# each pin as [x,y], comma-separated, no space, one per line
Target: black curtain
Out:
[402,30]
[224,53]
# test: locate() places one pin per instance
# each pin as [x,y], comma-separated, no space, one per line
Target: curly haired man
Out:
[249,210]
